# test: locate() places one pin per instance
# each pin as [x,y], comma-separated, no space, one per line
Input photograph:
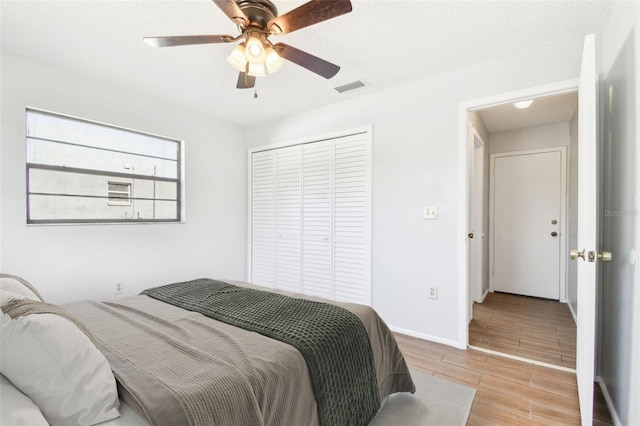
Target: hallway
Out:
[528,327]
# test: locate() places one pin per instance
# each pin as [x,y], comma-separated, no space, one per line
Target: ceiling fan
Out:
[256,56]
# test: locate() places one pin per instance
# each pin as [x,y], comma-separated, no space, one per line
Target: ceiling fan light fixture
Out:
[523,104]
[237,59]
[257,70]
[255,51]
[272,60]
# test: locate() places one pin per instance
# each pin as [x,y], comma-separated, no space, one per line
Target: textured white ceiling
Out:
[546,110]
[385,43]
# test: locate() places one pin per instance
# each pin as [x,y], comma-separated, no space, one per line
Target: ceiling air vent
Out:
[350,86]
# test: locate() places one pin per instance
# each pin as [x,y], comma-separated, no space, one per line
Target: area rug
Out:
[436,402]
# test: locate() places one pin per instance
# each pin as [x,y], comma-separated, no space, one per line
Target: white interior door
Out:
[587,226]
[526,215]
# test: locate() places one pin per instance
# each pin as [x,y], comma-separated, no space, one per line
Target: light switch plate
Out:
[430,213]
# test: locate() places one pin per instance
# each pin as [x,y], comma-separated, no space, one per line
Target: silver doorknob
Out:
[574,254]
[605,256]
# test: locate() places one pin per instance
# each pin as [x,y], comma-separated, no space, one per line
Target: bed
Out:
[228,353]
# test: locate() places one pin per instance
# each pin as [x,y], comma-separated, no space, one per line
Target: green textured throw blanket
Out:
[332,340]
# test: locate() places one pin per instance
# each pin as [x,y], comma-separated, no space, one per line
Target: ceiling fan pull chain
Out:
[255,94]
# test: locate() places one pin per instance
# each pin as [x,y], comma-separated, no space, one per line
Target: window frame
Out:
[110,175]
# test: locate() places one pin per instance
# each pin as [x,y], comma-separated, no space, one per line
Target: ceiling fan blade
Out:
[308,14]
[186,40]
[307,60]
[245,81]
[231,9]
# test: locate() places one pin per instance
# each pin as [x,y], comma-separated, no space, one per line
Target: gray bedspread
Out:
[332,340]
[177,367]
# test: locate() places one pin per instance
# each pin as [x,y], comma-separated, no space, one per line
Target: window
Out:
[119,194]
[79,171]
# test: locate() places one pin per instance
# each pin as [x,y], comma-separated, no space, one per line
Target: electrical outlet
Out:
[119,288]
[433,293]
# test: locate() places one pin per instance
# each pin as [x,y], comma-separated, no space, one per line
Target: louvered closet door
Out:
[311,218]
[288,218]
[317,223]
[352,219]
[263,247]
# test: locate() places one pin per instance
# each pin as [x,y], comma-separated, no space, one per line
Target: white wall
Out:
[85,261]
[415,164]
[548,136]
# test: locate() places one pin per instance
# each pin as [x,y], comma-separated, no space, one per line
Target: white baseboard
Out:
[573,313]
[484,295]
[607,398]
[425,336]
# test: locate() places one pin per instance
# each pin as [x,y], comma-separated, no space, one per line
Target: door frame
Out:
[477,218]
[465,155]
[562,289]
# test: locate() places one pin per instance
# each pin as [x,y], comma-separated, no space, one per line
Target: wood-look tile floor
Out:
[532,328]
[508,392]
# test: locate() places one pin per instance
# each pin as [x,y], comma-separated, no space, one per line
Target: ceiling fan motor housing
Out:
[259,12]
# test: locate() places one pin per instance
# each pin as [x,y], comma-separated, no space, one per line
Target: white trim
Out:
[519,358]
[609,401]
[473,136]
[424,336]
[573,313]
[249,211]
[562,276]
[484,295]
[318,138]
[565,86]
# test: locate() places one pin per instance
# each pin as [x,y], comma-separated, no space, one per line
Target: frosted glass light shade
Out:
[237,59]
[523,104]
[272,61]
[257,70]
[255,52]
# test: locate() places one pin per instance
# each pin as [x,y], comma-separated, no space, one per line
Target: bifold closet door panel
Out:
[352,219]
[289,218]
[263,219]
[317,222]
